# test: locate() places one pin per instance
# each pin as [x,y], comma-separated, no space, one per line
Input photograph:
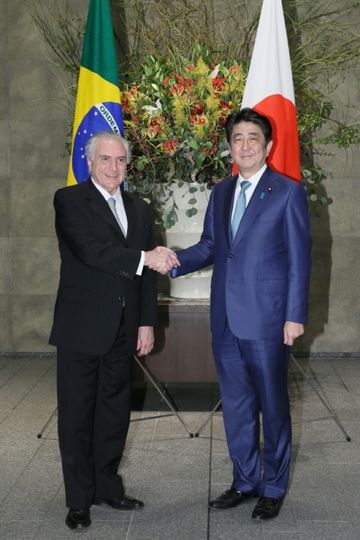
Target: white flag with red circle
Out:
[269,88]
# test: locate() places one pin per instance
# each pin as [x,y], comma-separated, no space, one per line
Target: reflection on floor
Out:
[175,474]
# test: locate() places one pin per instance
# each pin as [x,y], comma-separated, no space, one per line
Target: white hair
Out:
[106,135]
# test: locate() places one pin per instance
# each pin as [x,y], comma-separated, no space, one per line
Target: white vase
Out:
[185,233]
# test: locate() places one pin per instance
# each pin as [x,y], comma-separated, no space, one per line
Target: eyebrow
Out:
[116,157]
[253,133]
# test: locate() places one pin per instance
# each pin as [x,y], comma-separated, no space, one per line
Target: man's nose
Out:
[244,144]
[113,165]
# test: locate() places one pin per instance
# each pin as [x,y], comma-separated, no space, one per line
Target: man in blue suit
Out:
[257,236]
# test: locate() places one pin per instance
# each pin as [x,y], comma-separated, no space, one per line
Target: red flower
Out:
[225,105]
[170,145]
[195,119]
[166,81]
[218,83]
[157,121]
[154,130]
[197,109]
[125,104]
[181,86]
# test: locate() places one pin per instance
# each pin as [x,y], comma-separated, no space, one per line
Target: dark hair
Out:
[248,115]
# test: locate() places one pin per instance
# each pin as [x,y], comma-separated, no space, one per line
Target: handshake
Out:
[161,259]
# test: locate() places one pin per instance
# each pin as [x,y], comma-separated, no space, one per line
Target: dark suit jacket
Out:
[261,278]
[98,271]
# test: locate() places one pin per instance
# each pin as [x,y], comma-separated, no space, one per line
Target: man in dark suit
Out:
[256,234]
[105,311]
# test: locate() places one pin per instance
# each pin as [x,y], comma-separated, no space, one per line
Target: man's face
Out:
[248,148]
[108,166]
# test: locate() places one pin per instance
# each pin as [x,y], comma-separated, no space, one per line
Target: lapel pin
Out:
[262,195]
[269,189]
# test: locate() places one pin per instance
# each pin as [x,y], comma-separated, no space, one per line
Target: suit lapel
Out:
[228,203]
[101,207]
[257,202]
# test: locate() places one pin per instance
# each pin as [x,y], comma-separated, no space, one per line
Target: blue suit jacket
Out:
[261,278]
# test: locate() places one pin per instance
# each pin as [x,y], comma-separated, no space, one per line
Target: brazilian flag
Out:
[98,105]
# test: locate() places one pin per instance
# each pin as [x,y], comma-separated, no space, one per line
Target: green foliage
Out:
[174,116]
[324,46]
[342,136]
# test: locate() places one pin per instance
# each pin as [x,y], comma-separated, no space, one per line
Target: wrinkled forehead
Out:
[109,147]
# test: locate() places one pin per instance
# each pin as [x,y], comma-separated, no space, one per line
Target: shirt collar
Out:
[105,193]
[254,179]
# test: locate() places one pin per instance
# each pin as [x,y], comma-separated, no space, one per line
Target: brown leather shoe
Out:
[78,518]
[121,503]
[267,508]
[230,498]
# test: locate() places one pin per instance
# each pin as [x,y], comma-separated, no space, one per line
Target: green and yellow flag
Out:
[98,105]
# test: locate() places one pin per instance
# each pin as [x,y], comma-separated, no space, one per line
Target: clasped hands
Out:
[161,259]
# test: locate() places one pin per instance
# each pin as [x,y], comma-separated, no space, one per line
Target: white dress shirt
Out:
[120,210]
[254,180]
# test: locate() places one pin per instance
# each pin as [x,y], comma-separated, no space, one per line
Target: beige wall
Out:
[32,133]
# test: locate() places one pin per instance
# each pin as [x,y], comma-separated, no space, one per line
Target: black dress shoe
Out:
[267,508]
[78,518]
[229,499]
[121,503]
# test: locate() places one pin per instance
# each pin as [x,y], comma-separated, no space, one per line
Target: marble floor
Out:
[175,474]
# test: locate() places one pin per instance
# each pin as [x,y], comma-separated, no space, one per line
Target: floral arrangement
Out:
[174,118]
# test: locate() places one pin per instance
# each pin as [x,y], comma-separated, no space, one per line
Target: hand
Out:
[161,259]
[292,330]
[145,340]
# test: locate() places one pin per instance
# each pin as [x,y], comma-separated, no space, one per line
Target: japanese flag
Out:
[269,88]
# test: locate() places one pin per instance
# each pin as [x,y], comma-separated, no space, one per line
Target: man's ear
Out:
[268,147]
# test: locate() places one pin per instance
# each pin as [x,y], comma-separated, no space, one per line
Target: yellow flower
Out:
[212,102]
[179,112]
[200,130]
[201,68]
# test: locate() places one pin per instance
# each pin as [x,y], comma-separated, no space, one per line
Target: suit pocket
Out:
[273,283]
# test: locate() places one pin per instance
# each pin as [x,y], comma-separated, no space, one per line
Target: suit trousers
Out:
[253,378]
[94,395]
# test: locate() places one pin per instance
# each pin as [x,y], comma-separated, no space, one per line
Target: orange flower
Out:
[197,119]
[153,131]
[157,121]
[170,145]
[125,103]
[218,83]
[181,86]
[225,105]
[235,70]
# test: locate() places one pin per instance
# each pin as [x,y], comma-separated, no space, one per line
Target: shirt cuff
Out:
[140,268]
